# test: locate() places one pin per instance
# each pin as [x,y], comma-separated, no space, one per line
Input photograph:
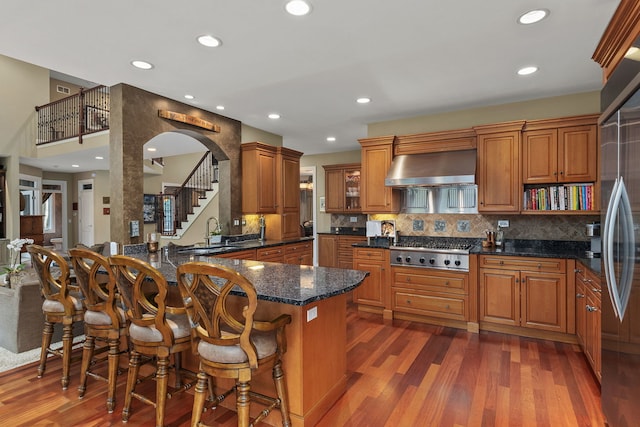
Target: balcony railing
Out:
[74,116]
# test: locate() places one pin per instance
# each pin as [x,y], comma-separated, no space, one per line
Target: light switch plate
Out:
[353,219]
[312,313]
[134,229]
[503,223]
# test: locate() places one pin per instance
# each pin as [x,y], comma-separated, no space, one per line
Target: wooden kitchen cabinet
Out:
[523,292]
[370,295]
[336,250]
[246,254]
[258,178]
[499,183]
[561,150]
[299,253]
[342,188]
[270,254]
[376,157]
[589,316]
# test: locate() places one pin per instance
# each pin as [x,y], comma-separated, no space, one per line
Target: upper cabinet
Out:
[376,156]
[342,188]
[286,223]
[562,151]
[258,178]
[499,185]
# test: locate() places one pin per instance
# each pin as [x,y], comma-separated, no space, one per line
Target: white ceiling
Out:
[410,57]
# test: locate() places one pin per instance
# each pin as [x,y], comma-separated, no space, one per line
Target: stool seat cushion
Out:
[100,318]
[52,306]
[264,342]
[179,324]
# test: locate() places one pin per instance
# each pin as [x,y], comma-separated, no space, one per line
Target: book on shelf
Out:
[567,197]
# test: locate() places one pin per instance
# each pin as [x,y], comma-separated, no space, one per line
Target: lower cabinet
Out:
[335,250]
[588,316]
[371,293]
[523,292]
[299,253]
[430,292]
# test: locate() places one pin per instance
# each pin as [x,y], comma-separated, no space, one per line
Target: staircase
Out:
[177,209]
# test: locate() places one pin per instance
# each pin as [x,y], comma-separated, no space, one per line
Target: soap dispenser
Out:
[499,236]
[263,228]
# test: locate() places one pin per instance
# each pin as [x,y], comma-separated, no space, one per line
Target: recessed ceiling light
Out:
[274,116]
[75,166]
[151,149]
[331,139]
[143,65]
[189,96]
[363,100]
[298,7]
[209,41]
[99,158]
[219,107]
[525,71]
[633,53]
[533,16]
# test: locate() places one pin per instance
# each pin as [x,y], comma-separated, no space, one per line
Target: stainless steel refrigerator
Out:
[620,185]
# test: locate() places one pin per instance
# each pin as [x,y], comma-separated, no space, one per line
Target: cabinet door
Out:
[374,195]
[327,250]
[334,190]
[581,309]
[290,184]
[258,179]
[500,296]
[544,301]
[370,291]
[577,151]
[540,156]
[499,172]
[593,318]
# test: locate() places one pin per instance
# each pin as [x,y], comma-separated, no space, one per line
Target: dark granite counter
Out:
[283,283]
[346,231]
[232,245]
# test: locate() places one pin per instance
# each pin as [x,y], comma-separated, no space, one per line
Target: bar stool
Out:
[62,304]
[157,328]
[104,319]
[230,343]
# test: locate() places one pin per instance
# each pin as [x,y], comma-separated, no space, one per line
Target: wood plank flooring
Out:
[399,374]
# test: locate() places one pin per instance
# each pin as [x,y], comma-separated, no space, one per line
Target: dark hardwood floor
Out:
[399,374]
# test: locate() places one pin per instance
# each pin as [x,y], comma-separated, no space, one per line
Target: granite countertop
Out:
[346,231]
[236,246]
[283,283]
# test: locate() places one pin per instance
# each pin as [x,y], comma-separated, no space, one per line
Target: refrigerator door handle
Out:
[628,248]
[607,248]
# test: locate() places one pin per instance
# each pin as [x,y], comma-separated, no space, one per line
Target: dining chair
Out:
[62,305]
[104,318]
[157,328]
[230,342]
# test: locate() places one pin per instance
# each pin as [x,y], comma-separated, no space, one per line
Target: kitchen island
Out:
[315,363]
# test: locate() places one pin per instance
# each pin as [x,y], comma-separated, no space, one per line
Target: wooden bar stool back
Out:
[104,318]
[230,343]
[62,304]
[157,328]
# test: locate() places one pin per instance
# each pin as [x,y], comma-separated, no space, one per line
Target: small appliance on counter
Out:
[384,228]
[593,231]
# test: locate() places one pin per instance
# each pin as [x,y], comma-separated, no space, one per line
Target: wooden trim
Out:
[588,119]
[493,128]
[529,332]
[619,35]
[432,142]
[187,119]
[378,140]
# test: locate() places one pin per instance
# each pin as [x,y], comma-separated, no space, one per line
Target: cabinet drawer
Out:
[431,305]
[551,265]
[270,254]
[428,279]
[246,254]
[368,253]
[297,247]
[592,281]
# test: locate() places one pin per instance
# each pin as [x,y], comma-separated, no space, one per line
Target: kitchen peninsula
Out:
[315,363]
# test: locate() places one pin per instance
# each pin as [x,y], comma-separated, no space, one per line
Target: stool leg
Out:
[281,390]
[114,356]
[87,355]
[67,343]
[47,333]
[134,367]
[177,358]
[161,389]
[243,402]
[199,398]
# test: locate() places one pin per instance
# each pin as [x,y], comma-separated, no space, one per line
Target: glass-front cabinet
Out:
[342,188]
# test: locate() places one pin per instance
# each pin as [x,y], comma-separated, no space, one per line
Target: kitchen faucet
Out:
[208,235]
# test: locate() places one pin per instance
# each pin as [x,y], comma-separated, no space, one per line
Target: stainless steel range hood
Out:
[432,169]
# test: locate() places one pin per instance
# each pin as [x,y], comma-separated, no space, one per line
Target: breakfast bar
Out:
[315,362]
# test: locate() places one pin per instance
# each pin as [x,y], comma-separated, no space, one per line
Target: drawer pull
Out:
[539,266]
[596,290]
[446,283]
[409,301]
[577,270]
[591,308]
[579,295]
[448,307]
[408,279]
[501,262]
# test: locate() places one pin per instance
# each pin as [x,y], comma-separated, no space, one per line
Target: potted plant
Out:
[15,266]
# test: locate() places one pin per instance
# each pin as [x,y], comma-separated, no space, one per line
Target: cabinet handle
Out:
[408,279]
[596,290]
[501,262]
[561,172]
[579,295]
[523,280]
[591,309]
[446,283]
[539,266]
[409,301]
[447,307]
[577,270]
[517,280]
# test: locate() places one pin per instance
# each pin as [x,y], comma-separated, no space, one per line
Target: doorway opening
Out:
[308,205]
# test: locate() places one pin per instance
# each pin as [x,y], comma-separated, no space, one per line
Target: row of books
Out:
[570,197]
